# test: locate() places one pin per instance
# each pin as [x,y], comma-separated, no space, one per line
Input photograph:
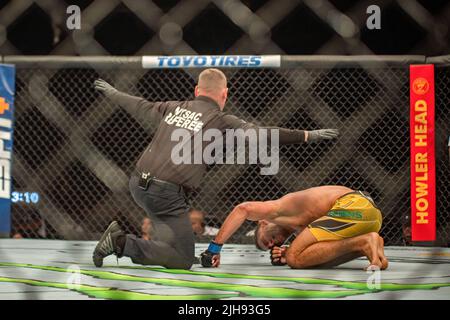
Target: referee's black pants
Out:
[172,244]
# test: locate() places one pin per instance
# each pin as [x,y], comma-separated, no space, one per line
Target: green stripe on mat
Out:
[113,293]
[355,285]
[352,287]
[248,290]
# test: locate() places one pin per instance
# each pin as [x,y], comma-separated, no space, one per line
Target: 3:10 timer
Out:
[27,197]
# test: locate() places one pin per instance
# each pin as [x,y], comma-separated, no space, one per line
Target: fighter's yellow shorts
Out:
[352,215]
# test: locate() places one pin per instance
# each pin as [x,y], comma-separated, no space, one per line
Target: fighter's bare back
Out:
[298,209]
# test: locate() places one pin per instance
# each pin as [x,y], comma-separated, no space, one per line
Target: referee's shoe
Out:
[111,242]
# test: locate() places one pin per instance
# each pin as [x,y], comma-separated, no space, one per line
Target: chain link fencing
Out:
[443,153]
[76,149]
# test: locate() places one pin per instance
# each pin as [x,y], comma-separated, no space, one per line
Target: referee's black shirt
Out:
[201,113]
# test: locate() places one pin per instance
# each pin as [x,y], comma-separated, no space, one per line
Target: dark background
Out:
[141,27]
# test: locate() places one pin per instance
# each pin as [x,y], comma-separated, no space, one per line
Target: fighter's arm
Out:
[245,211]
[136,106]
[286,136]
[254,211]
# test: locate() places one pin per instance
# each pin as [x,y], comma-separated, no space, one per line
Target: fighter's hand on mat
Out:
[277,256]
[104,87]
[322,134]
[211,257]
[208,259]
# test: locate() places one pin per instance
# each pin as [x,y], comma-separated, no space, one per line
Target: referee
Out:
[161,187]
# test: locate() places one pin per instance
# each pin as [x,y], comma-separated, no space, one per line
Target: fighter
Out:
[331,225]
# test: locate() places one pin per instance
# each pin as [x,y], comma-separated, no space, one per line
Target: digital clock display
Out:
[26,197]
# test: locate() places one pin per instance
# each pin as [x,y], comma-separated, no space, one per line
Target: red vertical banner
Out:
[423,172]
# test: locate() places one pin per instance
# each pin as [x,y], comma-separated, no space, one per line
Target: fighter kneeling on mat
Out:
[331,224]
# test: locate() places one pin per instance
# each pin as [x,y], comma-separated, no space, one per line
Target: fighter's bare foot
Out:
[384,260]
[370,250]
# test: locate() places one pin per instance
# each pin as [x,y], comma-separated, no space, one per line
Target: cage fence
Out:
[76,149]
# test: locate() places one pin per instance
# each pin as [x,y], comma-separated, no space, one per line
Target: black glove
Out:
[207,256]
[206,259]
[272,260]
[323,134]
[104,87]
[286,243]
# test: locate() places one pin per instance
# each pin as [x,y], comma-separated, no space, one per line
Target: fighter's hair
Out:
[212,80]
[256,238]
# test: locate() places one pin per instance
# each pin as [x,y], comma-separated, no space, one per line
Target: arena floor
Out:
[48,269]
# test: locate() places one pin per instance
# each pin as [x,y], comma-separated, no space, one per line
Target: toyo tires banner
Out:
[168,62]
[422,140]
[7,89]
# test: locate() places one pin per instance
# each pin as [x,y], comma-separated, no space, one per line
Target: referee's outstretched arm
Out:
[150,111]
[286,136]
[136,106]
